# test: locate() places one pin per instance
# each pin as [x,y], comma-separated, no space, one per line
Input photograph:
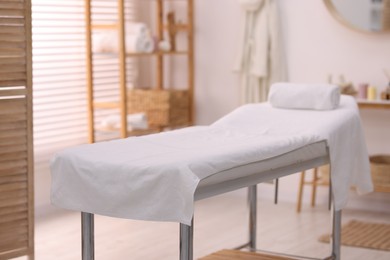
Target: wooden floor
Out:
[220,223]
[242,255]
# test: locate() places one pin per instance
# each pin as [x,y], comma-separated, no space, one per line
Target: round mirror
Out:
[364,15]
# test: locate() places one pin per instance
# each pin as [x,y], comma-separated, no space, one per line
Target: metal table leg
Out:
[336,234]
[252,200]
[87,236]
[186,241]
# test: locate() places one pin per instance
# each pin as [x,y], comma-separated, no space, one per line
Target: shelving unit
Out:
[157,101]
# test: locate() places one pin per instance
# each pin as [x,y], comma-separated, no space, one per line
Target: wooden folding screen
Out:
[16,158]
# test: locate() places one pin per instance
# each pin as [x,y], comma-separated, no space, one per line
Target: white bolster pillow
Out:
[304,96]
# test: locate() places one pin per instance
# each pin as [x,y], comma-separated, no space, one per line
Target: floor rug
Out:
[241,255]
[363,234]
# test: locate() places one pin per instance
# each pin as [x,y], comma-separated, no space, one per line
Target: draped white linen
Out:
[260,57]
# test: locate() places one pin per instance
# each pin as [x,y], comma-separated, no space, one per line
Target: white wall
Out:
[316,45]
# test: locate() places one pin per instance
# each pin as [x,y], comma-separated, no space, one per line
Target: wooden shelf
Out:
[179,27]
[140,54]
[158,53]
[104,26]
[377,104]
[111,105]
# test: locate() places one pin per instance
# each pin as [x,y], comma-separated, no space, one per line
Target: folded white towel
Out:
[137,39]
[304,96]
[137,121]
[108,42]
[137,28]
[139,43]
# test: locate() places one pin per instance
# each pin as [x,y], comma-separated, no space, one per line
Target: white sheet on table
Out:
[340,127]
[154,177]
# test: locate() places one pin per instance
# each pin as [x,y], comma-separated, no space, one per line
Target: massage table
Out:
[160,176]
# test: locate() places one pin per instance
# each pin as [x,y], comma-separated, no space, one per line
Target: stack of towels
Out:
[138,39]
[136,121]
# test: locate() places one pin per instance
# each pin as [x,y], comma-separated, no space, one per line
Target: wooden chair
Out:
[319,178]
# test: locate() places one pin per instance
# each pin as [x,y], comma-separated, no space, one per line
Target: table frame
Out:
[251,181]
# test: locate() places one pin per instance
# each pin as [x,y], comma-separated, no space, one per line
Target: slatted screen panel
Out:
[16,177]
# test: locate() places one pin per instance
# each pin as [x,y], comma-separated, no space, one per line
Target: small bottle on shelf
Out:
[371,93]
[362,90]
[385,95]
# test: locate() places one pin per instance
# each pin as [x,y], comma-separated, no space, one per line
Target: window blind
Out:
[59,72]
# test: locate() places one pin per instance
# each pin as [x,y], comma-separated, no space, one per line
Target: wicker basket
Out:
[163,107]
[380,169]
